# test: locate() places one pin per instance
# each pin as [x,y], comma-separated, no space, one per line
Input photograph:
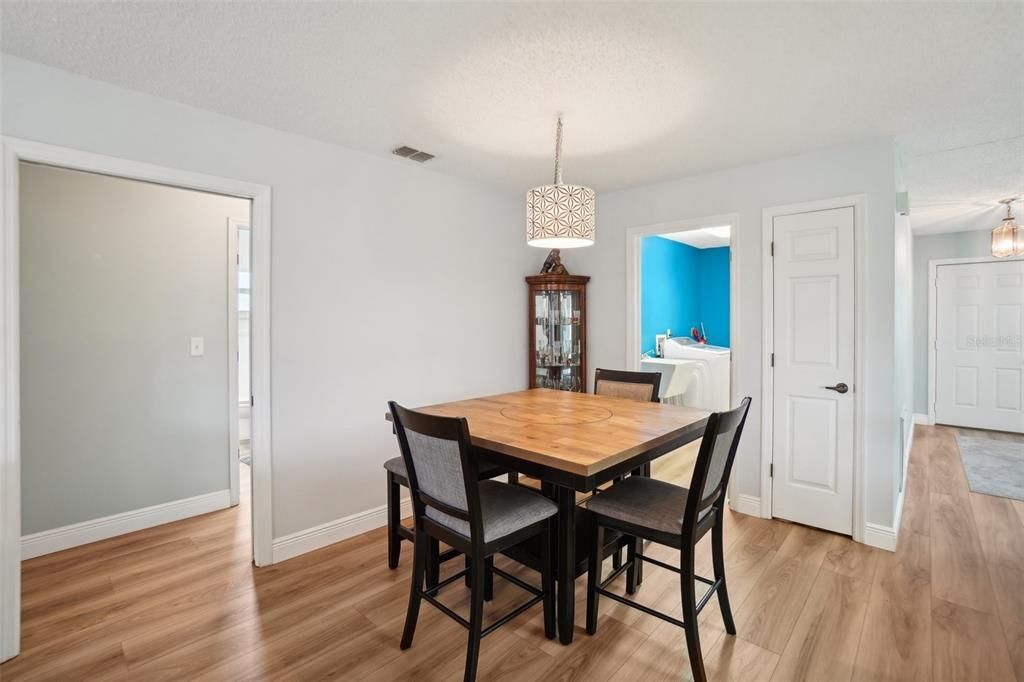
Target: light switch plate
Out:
[196,346]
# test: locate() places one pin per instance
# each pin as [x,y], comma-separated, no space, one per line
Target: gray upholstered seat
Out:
[505,509]
[396,465]
[644,502]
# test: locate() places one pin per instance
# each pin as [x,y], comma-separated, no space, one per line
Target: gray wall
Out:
[116,276]
[926,248]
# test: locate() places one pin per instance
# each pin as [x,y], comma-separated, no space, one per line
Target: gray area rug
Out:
[993,467]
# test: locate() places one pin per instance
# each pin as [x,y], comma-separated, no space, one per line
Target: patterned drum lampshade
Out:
[560,216]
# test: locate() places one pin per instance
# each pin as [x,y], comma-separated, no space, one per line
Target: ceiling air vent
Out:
[413,154]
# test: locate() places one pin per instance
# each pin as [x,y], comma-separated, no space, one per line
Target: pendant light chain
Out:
[558,151]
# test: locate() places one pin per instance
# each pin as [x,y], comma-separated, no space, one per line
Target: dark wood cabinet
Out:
[558,331]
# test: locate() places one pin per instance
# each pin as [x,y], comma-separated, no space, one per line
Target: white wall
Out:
[867,168]
[927,248]
[389,281]
[116,277]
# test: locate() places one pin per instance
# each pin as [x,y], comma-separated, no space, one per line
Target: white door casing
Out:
[814,344]
[979,360]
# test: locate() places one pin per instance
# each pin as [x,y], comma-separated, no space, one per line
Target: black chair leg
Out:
[419,554]
[476,618]
[394,519]
[489,579]
[689,602]
[718,558]
[433,569]
[547,579]
[594,575]
[645,470]
[632,565]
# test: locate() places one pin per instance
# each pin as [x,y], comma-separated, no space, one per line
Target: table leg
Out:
[566,563]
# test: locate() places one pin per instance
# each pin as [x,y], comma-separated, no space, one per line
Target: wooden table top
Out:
[579,433]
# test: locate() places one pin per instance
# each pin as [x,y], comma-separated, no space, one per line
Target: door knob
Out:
[838,388]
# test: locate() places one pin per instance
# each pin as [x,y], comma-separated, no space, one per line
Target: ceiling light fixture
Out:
[1008,237]
[560,216]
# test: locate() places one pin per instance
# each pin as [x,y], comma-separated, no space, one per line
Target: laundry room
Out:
[685,315]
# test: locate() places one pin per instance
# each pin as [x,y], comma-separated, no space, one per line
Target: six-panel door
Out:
[979,361]
[813,406]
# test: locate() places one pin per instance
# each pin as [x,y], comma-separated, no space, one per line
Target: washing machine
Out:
[709,387]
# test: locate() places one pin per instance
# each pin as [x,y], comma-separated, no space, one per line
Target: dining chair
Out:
[677,517]
[478,518]
[398,478]
[644,387]
[617,383]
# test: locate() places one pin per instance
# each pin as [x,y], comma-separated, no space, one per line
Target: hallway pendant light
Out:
[1005,238]
[560,216]
[1018,239]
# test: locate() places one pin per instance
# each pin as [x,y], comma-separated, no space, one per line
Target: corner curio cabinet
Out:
[558,332]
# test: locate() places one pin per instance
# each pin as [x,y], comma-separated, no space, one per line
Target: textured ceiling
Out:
[648,91]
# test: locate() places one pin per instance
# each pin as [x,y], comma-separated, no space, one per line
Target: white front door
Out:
[813,404]
[979,362]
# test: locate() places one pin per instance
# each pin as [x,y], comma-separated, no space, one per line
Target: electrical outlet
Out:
[196,346]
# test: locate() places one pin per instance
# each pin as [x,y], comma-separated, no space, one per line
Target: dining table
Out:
[571,442]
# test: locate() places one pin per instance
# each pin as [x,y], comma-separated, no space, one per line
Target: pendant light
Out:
[1018,238]
[1007,239]
[560,216]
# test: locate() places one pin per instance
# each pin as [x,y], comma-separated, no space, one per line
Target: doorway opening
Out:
[122,312]
[240,279]
[128,332]
[681,315]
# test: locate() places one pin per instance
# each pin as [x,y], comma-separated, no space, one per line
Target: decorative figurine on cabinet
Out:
[553,264]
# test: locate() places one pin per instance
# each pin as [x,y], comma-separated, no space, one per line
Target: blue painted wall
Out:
[682,286]
[713,294]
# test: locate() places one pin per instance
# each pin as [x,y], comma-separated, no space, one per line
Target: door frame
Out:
[14,151]
[634,237]
[859,203]
[933,272]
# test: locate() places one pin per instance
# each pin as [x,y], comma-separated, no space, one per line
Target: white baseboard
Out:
[334,531]
[882,537]
[65,537]
[923,419]
[746,504]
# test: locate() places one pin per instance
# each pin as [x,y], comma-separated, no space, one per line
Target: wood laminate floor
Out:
[182,602]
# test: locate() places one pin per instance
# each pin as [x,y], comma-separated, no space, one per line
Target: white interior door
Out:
[979,362]
[813,404]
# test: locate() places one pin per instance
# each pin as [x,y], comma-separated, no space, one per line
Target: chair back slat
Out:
[640,386]
[714,460]
[438,465]
[442,473]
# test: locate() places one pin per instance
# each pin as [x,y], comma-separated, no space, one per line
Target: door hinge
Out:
[771,249]
[771,470]
[252,401]
[771,360]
